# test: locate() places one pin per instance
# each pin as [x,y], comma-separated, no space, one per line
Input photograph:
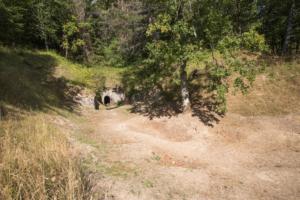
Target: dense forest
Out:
[163,36]
[92,30]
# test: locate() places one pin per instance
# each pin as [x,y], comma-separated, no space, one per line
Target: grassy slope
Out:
[87,76]
[42,80]
[37,162]
[275,92]
[36,158]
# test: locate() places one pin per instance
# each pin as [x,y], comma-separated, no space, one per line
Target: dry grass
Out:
[275,92]
[37,162]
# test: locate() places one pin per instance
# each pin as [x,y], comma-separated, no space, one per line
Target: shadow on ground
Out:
[156,108]
[168,104]
[28,82]
[202,107]
[205,109]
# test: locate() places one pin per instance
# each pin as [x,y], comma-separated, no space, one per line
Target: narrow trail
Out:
[180,158]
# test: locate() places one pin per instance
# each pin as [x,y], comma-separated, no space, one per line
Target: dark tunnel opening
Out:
[106,100]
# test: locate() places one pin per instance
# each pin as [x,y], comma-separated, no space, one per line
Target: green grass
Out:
[198,60]
[118,169]
[26,79]
[87,76]
[148,184]
[40,80]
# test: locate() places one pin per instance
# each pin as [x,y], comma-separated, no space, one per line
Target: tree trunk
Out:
[2,112]
[46,43]
[87,47]
[66,53]
[238,16]
[186,103]
[80,11]
[289,30]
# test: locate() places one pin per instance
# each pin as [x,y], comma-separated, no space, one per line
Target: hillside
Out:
[275,92]
[250,153]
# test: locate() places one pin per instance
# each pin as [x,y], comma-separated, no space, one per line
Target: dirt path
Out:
[180,158]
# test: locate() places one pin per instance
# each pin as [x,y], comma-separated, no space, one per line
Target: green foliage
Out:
[91,77]
[72,41]
[36,23]
[112,55]
[253,41]
[11,20]
[249,41]
[232,64]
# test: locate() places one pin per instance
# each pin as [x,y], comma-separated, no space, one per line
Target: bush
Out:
[250,41]
[253,41]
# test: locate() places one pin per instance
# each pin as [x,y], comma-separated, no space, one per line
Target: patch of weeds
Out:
[87,140]
[120,103]
[148,184]
[271,75]
[156,157]
[138,193]
[116,169]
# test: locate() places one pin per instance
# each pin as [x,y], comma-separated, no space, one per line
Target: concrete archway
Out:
[112,96]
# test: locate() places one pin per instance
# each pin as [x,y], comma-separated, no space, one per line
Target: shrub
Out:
[253,41]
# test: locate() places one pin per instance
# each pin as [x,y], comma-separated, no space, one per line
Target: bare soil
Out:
[135,158]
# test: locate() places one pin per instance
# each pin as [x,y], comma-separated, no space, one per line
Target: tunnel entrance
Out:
[106,100]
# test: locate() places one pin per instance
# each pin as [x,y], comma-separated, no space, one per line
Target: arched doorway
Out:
[106,100]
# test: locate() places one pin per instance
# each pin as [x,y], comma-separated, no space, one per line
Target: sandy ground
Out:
[243,158]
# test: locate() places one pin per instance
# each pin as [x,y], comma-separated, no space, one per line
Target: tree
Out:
[182,29]
[43,15]
[289,28]
[80,11]
[36,23]
[72,41]
[279,24]
[11,20]
[173,41]
[244,14]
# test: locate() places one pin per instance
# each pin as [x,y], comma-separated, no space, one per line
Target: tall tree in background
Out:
[118,30]
[43,16]
[279,24]
[289,27]
[35,23]
[12,20]
[80,11]
[244,14]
